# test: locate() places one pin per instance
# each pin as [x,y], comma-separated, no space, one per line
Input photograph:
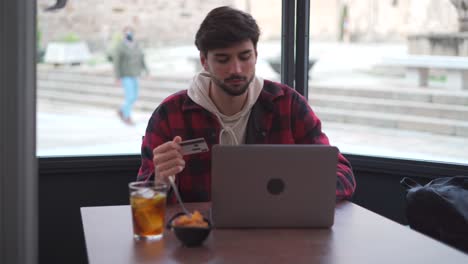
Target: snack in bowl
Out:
[195,220]
[192,230]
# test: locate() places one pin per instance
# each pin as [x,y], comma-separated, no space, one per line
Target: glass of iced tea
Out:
[148,202]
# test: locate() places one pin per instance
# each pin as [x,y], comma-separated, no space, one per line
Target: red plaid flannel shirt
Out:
[280,116]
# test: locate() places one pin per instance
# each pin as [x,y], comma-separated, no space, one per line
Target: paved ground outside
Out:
[70,130]
[95,131]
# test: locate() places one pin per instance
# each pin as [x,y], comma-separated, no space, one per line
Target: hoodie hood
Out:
[233,127]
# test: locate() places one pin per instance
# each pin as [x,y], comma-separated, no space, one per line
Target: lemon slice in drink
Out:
[159,198]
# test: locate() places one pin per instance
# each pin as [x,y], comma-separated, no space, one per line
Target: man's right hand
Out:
[118,82]
[168,159]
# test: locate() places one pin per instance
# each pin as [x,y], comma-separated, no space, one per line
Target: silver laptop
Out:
[264,186]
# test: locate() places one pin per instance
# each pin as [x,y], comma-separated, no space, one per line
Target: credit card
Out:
[193,146]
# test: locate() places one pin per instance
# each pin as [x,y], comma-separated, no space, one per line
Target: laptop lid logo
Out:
[275,186]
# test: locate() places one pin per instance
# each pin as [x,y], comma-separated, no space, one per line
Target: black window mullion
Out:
[302,47]
[287,42]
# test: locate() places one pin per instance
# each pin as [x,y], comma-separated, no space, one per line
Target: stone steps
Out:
[101,100]
[395,121]
[427,110]
[106,79]
[106,90]
[395,93]
[423,109]
[382,92]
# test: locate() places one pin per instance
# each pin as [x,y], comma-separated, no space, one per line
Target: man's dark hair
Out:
[225,26]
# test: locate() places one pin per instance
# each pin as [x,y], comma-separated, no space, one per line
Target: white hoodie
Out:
[233,127]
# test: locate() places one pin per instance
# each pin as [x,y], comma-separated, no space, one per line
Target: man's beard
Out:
[233,90]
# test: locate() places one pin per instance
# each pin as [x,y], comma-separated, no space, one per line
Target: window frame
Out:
[65,168]
[18,161]
[290,71]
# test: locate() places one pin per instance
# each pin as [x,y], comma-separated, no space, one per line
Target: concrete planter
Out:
[276,65]
[449,44]
[67,53]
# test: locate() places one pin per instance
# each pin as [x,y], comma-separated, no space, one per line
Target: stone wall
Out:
[168,22]
[376,20]
[156,22]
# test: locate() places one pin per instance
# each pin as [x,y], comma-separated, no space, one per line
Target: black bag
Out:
[439,209]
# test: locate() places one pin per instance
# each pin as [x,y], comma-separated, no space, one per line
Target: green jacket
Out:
[128,61]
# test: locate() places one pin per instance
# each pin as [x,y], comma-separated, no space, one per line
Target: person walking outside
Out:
[129,63]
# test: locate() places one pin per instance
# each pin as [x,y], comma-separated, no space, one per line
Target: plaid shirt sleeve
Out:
[158,131]
[154,136]
[171,119]
[308,130]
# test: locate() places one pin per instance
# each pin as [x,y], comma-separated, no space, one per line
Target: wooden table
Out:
[358,236]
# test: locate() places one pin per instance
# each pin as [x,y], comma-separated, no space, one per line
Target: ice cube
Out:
[146,193]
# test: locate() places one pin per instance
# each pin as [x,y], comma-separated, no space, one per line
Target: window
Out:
[369,101]
[78,95]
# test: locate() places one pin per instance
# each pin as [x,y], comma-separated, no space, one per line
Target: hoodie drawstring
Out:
[230,129]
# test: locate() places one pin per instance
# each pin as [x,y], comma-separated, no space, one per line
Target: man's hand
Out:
[118,82]
[168,159]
